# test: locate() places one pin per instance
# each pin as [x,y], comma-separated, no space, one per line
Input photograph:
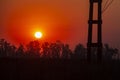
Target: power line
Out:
[107,1]
[107,5]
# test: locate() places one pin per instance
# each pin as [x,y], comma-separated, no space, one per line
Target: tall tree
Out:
[66,52]
[79,52]
[20,51]
[33,49]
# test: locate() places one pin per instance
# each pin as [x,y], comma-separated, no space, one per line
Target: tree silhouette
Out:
[66,52]
[45,50]
[53,50]
[110,52]
[116,51]
[4,48]
[79,52]
[33,49]
[12,51]
[56,49]
[20,52]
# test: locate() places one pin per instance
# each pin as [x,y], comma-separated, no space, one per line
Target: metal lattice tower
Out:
[92,22]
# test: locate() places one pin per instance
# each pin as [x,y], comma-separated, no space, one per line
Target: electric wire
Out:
[107,1]
[107,5]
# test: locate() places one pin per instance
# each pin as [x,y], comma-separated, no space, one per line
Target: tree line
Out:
[53,50]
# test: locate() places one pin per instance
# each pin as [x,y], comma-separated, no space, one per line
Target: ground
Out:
[56,69]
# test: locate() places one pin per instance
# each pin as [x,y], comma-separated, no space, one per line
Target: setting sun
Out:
[38,35]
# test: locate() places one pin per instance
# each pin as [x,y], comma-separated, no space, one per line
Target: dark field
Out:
[56,69]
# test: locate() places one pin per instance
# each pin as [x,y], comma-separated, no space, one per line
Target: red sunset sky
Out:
[64,20]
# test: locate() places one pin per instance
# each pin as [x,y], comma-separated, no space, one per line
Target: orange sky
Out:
[30,18]
[64,20]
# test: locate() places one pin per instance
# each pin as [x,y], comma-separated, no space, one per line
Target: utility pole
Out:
[92,22]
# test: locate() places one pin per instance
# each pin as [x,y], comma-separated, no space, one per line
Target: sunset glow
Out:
[56,19]
[38,35]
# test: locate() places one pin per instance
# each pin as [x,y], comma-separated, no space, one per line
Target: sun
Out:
[38,35]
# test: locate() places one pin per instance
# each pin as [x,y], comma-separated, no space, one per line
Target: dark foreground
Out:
[47,69]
